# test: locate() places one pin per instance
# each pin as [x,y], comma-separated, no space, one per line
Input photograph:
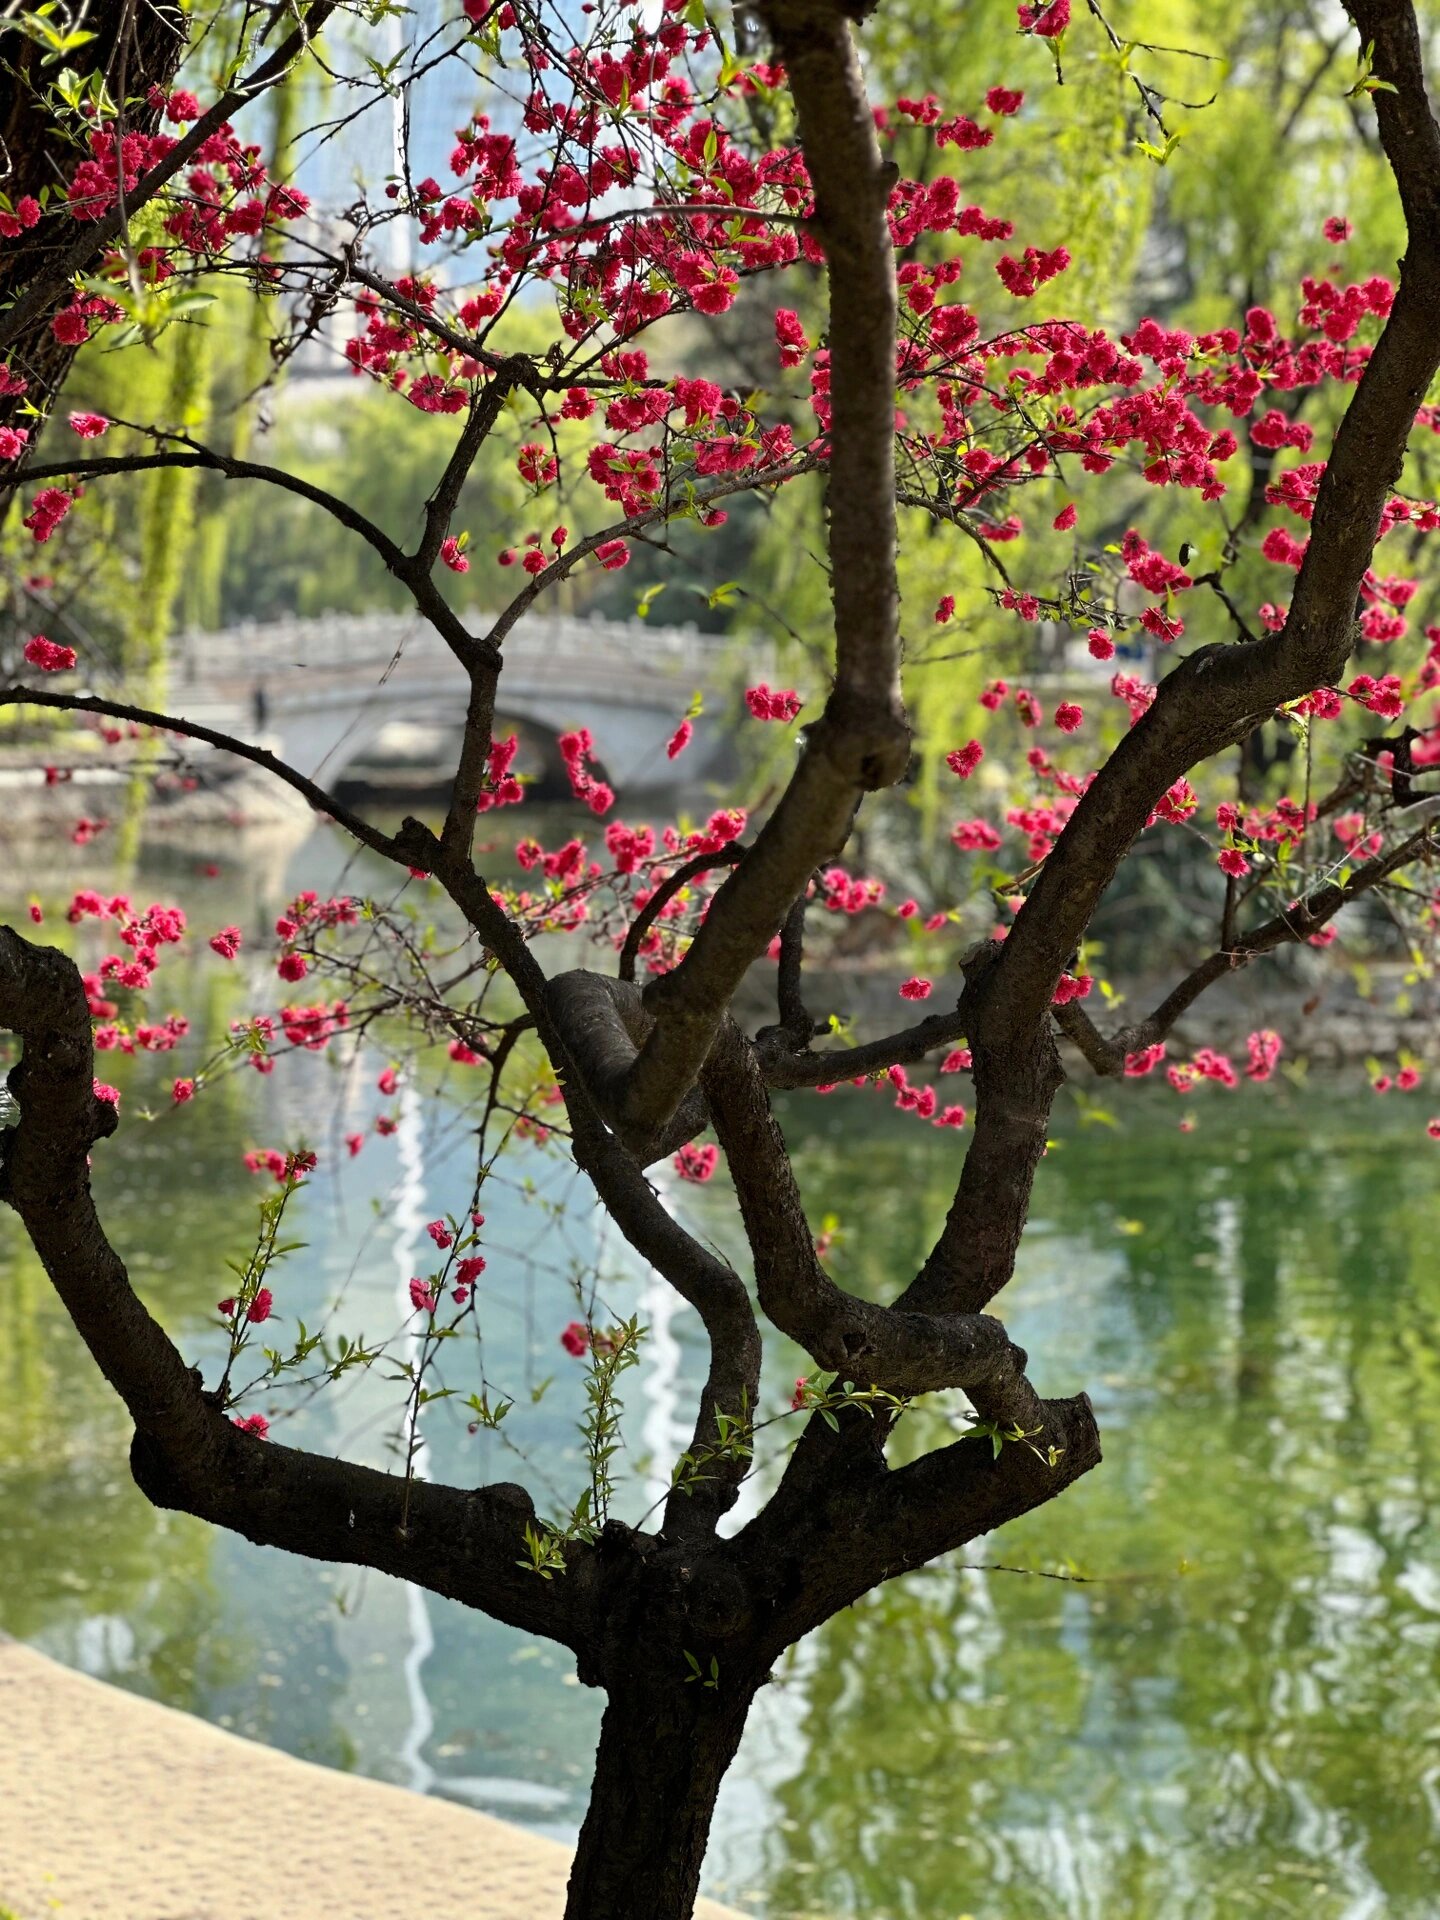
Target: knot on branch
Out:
[604,1023]
[870,749]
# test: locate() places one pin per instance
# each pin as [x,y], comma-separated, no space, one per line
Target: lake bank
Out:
[116,1808]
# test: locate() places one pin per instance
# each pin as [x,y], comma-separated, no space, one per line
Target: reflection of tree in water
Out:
[1254,1735]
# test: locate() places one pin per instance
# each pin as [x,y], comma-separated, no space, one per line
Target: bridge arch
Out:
[327,688]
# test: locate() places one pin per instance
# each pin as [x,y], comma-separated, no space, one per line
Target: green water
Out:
[1237,1714]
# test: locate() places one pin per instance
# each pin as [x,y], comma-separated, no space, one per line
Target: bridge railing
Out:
[552,648]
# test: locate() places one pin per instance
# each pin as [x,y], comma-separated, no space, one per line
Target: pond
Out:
[1229,1704]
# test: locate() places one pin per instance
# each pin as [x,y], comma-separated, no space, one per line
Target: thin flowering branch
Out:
[480,656]
[674,504]
[484,412]
[1109,1055]
[707,1283]
[661,897]
[191,454]
[316,796]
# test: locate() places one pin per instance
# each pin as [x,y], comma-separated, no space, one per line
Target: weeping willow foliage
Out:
[167,518]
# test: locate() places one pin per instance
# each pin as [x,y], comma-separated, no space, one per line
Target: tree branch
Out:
[316,796]
[1108,1054]
[905,1353]
[674,883]
[861,743]
[186,1453]
[194,455]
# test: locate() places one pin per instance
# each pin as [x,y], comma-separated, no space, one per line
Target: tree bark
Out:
[664,1749]
[35,154]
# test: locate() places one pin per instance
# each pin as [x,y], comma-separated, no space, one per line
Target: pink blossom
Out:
[765,704]
[1048,18]
[679,740]
[424,1295]
[49,655]
[1068,716]
[292,966]
[440,1234]
[1231,861]
[964,760]
[916,988]
[454,555]
[260,1307]
[89,426]
[974,836]
[226,943]
[254,1423]
[696,1163]
[182,1091]
[1264,1049]
[575,1338]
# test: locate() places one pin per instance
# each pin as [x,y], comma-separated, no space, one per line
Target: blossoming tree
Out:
[644,177]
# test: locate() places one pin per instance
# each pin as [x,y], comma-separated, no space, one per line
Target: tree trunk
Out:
[663,1753]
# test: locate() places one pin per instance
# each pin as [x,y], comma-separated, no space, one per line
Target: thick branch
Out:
[906,1353]
[862,741]
[891,1521]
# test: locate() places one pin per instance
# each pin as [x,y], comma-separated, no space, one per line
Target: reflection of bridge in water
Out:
[321,692]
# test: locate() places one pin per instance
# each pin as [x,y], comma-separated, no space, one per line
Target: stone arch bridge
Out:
[320,692]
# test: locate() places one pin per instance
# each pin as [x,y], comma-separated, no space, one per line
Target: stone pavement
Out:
[113,1808]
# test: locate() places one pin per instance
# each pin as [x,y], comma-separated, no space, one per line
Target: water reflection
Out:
[1238,1717]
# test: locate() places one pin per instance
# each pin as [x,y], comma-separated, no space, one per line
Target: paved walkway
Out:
[113,1808]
